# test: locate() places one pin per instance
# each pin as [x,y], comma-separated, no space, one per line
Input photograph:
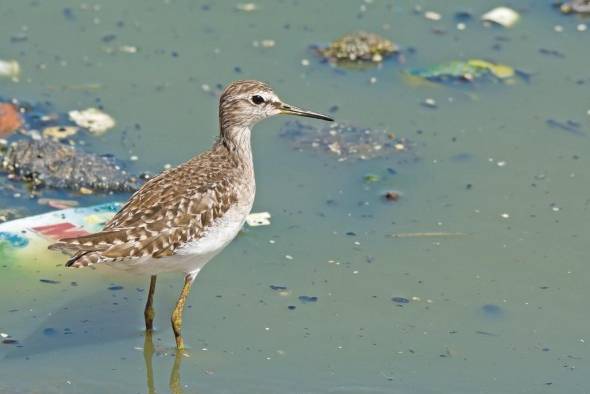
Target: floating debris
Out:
[9,214]
[10,119]
[400,300]
[344,141]
[60,132]
[49,281]
[503,16]
[469,71]
[57,203]
[432,16]
[13,239]
[9,69]
[246,7]
[570,126]
[92,119]
[359,48]
[392,196]
[256,219]
[307,299]
[371,178]
[278,288]
[52,164]
[575,6]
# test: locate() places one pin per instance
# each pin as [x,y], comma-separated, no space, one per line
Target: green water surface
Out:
[499,307]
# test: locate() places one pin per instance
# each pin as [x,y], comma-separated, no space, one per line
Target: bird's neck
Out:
[237,141]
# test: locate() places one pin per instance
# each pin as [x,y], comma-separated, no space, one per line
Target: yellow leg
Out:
[148,313]
[177,313]
[148,352]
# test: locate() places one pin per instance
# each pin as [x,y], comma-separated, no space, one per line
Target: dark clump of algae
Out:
[509,189]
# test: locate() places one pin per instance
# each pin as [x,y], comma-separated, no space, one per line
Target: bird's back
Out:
[169,212]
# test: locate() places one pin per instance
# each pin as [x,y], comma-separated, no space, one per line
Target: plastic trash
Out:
[92,119]
[10,119]
[503,16]
[575,6]
[9,69]
[256,219]
[32,234]
[469,70]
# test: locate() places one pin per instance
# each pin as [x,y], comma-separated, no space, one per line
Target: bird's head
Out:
[245,103]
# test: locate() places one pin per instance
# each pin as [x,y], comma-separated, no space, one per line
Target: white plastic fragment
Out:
[93,119]
[433,16]
[256,219]
[503,16]
[9,69]
[246,7]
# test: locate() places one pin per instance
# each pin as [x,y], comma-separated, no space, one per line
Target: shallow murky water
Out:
[497,306]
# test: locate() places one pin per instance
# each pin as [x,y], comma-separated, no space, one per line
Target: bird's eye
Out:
[256,99]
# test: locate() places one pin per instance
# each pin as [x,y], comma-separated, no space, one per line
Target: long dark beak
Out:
[291,110]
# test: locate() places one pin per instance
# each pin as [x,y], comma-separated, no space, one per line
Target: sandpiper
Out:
[179,220]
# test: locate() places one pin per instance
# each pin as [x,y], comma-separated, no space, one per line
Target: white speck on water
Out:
[430,102]
[205,87]
[505,215]
[266,328]
[355,272]
[461,26]
[288,257]
[582,27]
[501,163]
[134,158]
[373,80]
[305,62]
[3,335]
[558,28]
[204,349]
[432,16]
[167,166]
[268,43]
[272,241]
[246,7]
[555,209]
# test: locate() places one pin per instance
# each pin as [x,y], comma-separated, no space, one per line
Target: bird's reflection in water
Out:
[148,352]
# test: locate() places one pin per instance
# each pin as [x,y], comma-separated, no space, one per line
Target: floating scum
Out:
[469,70]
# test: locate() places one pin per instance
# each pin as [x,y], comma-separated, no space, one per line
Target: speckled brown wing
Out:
[168,211]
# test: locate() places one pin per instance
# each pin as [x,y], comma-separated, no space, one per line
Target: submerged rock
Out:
[360,47]
[344,141]
[52,164]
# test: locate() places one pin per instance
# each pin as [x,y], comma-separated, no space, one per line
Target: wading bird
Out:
[179,220]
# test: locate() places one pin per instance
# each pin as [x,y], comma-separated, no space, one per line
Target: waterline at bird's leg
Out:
[149,313]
